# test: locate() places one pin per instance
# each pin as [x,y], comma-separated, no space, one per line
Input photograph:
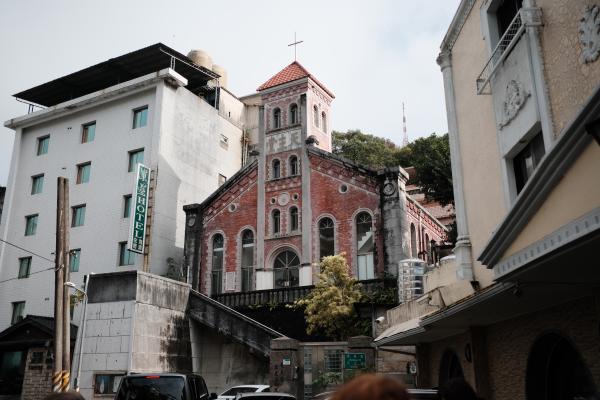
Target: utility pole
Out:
[59,284]
[66,347]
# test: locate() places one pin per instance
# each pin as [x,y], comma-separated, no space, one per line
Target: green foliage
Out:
[364,149]
[329,307]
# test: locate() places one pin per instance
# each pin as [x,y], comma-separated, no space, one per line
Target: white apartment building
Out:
[154,106]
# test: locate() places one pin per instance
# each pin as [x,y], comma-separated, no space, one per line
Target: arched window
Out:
[276,221]
[324,121]
[450,367]
[276,118]
[217,265]
[294,170]
[247,259]
[276,170]
[413,241]
[316,116]
[285,269]
[365,246]
[326,238]
[293,114]
[294,219]
[428,248]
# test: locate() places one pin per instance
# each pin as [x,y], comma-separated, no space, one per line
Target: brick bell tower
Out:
[295,113]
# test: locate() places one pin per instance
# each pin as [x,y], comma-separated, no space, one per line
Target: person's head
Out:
[457,389]
[70,395]
[371,386]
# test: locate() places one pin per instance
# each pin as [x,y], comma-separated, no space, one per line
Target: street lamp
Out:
[86,279]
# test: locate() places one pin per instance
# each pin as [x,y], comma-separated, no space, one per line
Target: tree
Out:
[364,149]
[329,307]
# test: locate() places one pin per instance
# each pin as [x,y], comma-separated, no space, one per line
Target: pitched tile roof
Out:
[292,72]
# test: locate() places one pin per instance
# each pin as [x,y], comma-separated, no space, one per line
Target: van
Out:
[163,387]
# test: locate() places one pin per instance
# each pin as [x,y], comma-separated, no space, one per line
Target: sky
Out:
[372,55]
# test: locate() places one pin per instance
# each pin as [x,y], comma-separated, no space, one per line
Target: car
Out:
[162,386]
[423,394]
[264,396]
[230,393]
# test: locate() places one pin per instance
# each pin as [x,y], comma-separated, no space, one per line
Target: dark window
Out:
[285,269]
[126,206]
[294,219]
[294,170]
[18,311]
[326,238]
[324,120]
[276,172]
[37,184]
[276,221]
[126,257]
[293,114]
[316,116]
[74,257]
[78,218]
[247,259]
[140,117]
[413,241]
[24,267]
[365,246]
[450,367]
[506,12]
[527,160]
[217,264]
[135,157]
[88,132]
[31,224]
[83,172]
[276,118]
[42,145]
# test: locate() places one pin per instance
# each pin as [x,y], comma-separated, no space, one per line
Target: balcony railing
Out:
[290,294]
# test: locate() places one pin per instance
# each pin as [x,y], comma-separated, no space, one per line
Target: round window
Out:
[343,188]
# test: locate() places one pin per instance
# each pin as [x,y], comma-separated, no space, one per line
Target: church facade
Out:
[295,202]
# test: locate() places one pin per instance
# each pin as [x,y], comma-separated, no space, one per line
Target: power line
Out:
[32,273]
[27,251]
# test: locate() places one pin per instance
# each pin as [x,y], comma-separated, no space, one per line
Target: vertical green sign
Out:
[137,230]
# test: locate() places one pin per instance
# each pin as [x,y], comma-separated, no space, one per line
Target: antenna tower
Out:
[404,134]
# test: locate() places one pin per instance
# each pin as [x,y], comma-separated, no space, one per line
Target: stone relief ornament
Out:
[589,34]
[515,98]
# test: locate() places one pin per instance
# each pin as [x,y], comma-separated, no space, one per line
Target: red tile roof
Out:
[292,72]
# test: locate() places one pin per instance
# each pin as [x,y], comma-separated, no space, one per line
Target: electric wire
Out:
[25,250]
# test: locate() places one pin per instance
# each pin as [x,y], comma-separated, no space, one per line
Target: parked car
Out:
[264,396]
[163,387]
[230,393]
[425,394]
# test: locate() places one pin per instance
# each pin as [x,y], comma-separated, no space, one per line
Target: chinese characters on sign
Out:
[137,230]
[283,141]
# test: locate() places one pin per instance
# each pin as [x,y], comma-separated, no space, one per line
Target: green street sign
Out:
[137,229]
[354,361]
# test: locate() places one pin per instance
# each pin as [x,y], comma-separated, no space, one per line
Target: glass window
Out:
[294,170]
[527,160]
[276,172]
[126,206]
[294,223]
[413,241]
[140,117]
[135,157]
[83,172]
[37,184]
[293,114]
[247,259]
[126,257]
[24,267]
[74,257]
[276,118]
[217,264]
[506,12]
[333,360]
[285,270]
[326,238]
[31,224]
[78,218]
[276,221]
[324,119]
[18,311]
[42,145]
[365,246]
[316,116]
[88,132]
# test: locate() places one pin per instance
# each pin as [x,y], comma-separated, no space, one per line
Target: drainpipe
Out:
[463,242]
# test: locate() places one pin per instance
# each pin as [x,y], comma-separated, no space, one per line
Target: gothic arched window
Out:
[365,246]
[276,170]
[413,241]
[324,120]
[276,217]
[293,114]
[428,248]
[276,118]
[217,264]
[316,116]
[294,170]
[326,238]
[247,261]
[294,219]
[285,269]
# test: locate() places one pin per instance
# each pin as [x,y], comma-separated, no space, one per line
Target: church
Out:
[294,202]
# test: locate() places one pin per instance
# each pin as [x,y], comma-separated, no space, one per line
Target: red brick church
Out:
[294,202]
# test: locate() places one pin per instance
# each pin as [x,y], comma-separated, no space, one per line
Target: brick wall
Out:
[37,381]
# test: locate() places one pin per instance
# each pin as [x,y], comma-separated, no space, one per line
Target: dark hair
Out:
[457,389]
[70,395]
[371,386]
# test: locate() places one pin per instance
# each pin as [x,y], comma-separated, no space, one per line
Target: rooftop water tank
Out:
[223,81]
[201,58]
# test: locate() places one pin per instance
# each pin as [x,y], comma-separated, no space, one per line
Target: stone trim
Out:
[462,13]
[564,235]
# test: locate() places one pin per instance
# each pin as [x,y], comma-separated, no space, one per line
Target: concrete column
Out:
[260,195]
[306,257]
[283,371]
[393,210]
[463,243]
[193,244]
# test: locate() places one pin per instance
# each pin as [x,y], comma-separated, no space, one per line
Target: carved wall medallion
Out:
[389,189]
[283,199]
[589,34]
[515,98]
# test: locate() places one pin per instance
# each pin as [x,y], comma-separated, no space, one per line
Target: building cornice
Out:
[462,13]
[555,164]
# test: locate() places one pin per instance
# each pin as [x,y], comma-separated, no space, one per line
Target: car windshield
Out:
[235,390]
[152,387]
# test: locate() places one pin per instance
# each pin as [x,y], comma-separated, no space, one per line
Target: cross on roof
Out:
[295,44]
